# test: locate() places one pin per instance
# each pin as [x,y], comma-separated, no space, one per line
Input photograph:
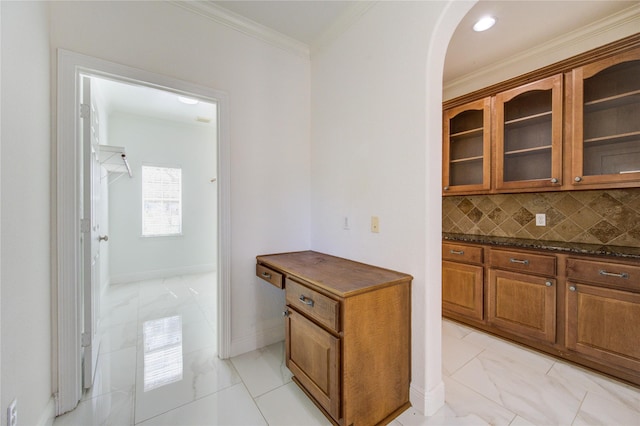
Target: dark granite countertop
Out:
[580,248]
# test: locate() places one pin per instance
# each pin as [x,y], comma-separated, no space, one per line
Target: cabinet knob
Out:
[548,283]
[554,180]
[446,188]
[572,288]
[285,313]
[577,178]
[103,238]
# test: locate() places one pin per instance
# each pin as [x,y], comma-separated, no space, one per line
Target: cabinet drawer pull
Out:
[548,283]
[460,252]
[572,288]
[306,300]
[266,275]
[613,274]
[523,262]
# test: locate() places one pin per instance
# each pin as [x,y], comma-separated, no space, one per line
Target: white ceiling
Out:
[521,25]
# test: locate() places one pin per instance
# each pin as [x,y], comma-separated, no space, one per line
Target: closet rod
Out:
[126,164]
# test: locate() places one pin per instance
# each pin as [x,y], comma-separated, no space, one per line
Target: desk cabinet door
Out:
[313,356]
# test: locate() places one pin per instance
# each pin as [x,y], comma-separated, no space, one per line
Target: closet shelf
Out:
[114,159]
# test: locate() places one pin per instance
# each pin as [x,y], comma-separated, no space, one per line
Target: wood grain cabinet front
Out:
[462,281]
[347,335]
[606,122]
[603,311]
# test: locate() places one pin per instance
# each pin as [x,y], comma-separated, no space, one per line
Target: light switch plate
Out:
[375,224]
[541,219]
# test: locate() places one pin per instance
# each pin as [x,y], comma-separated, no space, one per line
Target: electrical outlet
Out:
[541,219]
[375,224]
[12,413]
[345,223]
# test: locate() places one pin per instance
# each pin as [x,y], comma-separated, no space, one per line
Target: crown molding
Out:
[244,25]
[626,19]
[346,19]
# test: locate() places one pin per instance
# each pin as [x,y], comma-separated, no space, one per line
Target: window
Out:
[161,201]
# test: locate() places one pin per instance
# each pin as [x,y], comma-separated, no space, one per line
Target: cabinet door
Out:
[606,121]
[313,356]
[528,135]
[466,148]
[462,286]
[522,304]
[604,323]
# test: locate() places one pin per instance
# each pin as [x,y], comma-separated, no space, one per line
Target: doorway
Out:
[152,255]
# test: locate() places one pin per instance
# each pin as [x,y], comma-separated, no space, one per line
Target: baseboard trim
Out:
[427,403]
[161,273]
[49,413]
[258,340]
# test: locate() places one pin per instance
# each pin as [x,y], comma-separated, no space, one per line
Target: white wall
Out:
[268,91]
[25,211]
[376,151]
[155,142]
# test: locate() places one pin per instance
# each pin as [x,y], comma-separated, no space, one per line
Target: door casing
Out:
[66,295]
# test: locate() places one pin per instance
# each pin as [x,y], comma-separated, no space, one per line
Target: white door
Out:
[90,233]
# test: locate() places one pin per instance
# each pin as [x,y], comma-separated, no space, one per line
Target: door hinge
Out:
[86,340]
[84,111]
[85,225]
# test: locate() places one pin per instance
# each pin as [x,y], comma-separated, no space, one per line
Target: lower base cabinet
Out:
[347,334]
[581,308]
[523,304]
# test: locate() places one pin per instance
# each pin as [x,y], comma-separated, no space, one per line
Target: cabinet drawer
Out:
[318,306]
[523,262]
[614,274]
[461,253]
[269,275]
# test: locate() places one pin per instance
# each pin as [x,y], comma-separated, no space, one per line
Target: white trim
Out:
[257,340]
[244,25]
[345,20]
[161,273]
[48,415]
[427,403]
[625,22]
[67,360]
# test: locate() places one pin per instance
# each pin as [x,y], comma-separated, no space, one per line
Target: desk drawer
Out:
[269,275]
[318,306]
[523,262]
[462,253]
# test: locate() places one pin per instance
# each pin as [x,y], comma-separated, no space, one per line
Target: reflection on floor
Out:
[158,366]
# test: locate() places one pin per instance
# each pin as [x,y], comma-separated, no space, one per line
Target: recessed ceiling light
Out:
[484,23]
[188,101]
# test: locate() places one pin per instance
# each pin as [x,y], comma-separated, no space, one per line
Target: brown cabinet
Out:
[467,151]
[348,334]
[528,135]
[572,125]
[603,312]
[523,303]
[462,281]
[606,121]
[581,308]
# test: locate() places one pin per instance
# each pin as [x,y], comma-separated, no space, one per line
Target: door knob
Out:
[103,238]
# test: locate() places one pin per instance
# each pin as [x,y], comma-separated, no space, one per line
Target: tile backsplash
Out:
[610,217]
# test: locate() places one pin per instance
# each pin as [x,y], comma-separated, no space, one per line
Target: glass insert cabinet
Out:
[606,120]
[578,128]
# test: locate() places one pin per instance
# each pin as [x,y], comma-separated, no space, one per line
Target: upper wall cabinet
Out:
[528,135]
[571,125]
[466,150]
[606,121]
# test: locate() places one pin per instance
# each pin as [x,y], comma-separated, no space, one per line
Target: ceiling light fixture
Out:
[484,23]
[188,101]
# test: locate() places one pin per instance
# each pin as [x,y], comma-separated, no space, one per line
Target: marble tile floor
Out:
[158,366]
